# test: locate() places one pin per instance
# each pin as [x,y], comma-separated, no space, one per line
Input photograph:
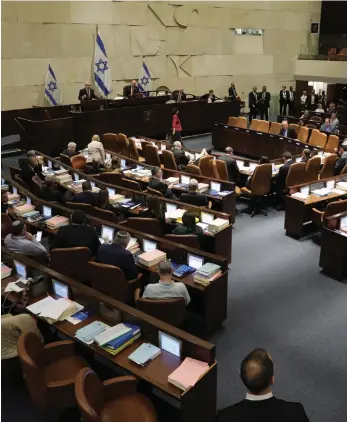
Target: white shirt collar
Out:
[253,397]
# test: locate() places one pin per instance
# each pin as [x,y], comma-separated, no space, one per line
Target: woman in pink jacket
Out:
[176,126]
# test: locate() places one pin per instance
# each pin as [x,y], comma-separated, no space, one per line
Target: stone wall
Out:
[185,44]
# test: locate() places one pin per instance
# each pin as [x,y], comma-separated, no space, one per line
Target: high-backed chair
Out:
[333,142]
[295,127]
[149,225]
[192,169]
[316,119]
[6,225]
[110,177]
[151,156]
[123,144]
[275,128]
[172,311]
[115,399]
[19,180]
[103,214]
[254,124]
[49,371]
[232,121]
[14,171]
[168,160]
[72,262]
[79,206]
[133,152]
[78,161]
[190,240]
[296,174]
[110,142]
[303,134]
[130,184]
[317,138]
[328,168]
[111,281]
[260,186]
[206,169]
[319,217]
[222,169]
[263,126]
[65,159]
[311,126]
[154,192]
[312,169]
[241,122]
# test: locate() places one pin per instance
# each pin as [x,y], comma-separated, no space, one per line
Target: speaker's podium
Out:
[92,105]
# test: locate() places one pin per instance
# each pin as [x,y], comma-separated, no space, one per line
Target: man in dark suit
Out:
[180,155]
[209,97]
[157,183]
[264,103]
[86,93]
[117,254]
[312,100]
[260,405]
[70,151]
[77,234]
[280,178]
[284,97]
[342,161]
[193,197]
[129,91]
[178,95]
[232,167]
[287,131]
[253,104]
[291,101]
[50,192]
[86,196]
[306,155]
[232,91]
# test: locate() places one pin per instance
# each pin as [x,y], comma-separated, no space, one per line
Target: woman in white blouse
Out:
[96,151]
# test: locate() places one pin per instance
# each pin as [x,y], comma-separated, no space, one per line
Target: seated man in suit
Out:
[306,155]
[178,95]
[210,97]
[129,91]
[23,242]
[182,157]
[86,196]
[280,178]
[117,254]
[77,234]
[193,197]
[86,93]
[157,183]
[166,288]
[287,131]
[342,161]
[70,151]
[50,192]
[233,169]
[257,374]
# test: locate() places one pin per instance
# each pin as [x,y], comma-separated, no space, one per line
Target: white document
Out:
[112,333]
[56,308]
[36,308]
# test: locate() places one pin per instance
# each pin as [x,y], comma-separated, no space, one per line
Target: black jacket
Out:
[69,153]
[162,187]
[233,169]
[294,96]
[86,197]
[76,235]
[194,198]
[286,96]
[127,91]
[175,96]
[291,133]
[270,410]
[232,92]
[114,254]
[266,101]
[253,99]
[309,99]
[280,178]
[27,172]
[51,194]
[180,157]
[83,95]
[205,97]
[340,163]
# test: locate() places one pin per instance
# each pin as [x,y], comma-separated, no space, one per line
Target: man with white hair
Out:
[193,197]
[182,157]
[70,151]
[86,93]
[129,91]
[287,131]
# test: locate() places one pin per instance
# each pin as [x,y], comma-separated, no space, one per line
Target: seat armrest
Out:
[132,282]
[317,211]
[59,350]
[120,386]
[124,223]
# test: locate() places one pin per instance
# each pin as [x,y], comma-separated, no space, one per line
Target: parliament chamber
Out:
[174,211]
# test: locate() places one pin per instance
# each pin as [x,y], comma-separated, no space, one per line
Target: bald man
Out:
[86,93]
[129,91]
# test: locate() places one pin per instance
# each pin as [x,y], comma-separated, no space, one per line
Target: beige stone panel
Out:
[21,72]
[130,13]
[202,15]
[97,12]
[188,84]
[320,70]
[144,41]
[8,11]
[121,37]
[18,97]
[162,13]
[21,40]
[284,42]
[125,68]
[72,69]
[66,40]
[179,66]
[157,66]
[219,84]
[44,11]
[284,64]
[248,44]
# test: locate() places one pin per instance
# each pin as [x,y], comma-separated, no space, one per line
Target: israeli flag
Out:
[145,79]
[102,71]
[52,91]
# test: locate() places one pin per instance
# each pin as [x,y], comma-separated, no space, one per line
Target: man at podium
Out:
[129,91]
[86,93]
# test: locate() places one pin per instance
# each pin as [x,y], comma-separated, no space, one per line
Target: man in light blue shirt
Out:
[23,242]
[166,288]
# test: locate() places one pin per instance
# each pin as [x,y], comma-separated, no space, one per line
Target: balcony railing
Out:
[331,57]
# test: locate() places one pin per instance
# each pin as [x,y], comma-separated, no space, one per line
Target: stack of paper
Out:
[203,186]
[144,354]
[62,176]
[23,209]
[12,197]
[172,180]
[111,333]
[152,258]
[55,310]
[300,196]
[342,185]
[217,225]
[114,199]
[142,172]
[207,273]
[76,186]
[118,344]
[133,245]
[321,192]
[188,373]
[32,214]
[175,214]
[5,271]
[56,222]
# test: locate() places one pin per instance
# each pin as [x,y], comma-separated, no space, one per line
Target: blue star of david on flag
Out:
[52,86]
[101,66]
[145,79]
[52,90]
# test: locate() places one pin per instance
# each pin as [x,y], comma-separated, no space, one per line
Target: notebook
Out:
[188,373]
[144,354]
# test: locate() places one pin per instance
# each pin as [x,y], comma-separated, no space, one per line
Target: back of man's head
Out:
[165,269]
[78,217]
[155,171]
[50,180]
[86,186]
[17,228]
[177,144]
[257,371]
[229,150]
[122,238]
[287,155]
[193,185]
[31,153]
[306,152]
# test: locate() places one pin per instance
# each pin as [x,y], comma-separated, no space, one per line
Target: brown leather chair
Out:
[151,155]
[78,161]
[154,192]
[311,126]
[14,171]
[275,128]
[221,169]
[319,217]
[328,169]
[296,174]
[110,142]
[115,399]
[260,186]
[146,225]
[49,371]
[295,127]
[168,160]
[344,170]
[232,121]
[111,281]
[133,152]
[263,126]
[317,138]
[190,240]
[192,169]
[103,214]
[172,311]
[65,159]
[316,119]
[110,177]
[241,122]
[254,124]
[123,145]
[312,169]
[206,169]
[6,225]
[72,262]
[333,142]
[303,134]
[130,184]
[87,208]
[19,180]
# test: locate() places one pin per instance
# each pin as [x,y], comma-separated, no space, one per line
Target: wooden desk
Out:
[254,144]
[193,406]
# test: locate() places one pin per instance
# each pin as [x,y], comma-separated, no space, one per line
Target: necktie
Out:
[88,94]
[263,95]
[179,97]
[132,90]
